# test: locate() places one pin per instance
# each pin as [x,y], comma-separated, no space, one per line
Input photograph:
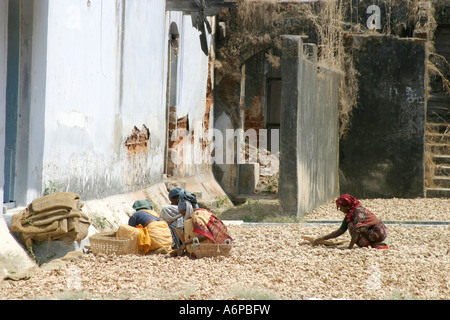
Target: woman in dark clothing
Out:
[162,234]
[144,214]
[364,227]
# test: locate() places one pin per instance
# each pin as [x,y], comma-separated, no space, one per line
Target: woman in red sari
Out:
[204,226]
[197,222]
[364,227]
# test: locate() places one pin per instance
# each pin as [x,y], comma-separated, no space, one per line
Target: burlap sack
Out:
[57,216]
[57,200]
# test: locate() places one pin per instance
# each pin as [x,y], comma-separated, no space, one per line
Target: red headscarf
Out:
[348,200]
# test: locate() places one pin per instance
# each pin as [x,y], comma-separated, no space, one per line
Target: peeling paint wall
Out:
[97,85]
[138,142]
[191,118]
[105,77]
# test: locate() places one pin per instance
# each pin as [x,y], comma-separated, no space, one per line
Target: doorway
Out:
[171,98]
[12,102]
[18,104]
[273,108]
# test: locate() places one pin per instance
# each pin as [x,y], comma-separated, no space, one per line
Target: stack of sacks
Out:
[57,216]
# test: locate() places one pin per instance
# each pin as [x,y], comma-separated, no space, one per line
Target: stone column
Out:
[288,181]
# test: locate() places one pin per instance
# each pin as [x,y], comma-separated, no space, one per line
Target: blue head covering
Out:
[175,192]
[183,196]
[142,204]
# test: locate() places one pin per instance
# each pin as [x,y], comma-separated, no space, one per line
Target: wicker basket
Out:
[108,243]
[203,250]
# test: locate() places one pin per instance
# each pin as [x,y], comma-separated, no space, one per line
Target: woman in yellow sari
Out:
[153,234]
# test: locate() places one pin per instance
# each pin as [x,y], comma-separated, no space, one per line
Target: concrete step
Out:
[442,170]
[441,181]
[438,138]
[439,98]
[436,87]
[386,222]
[438,127]
[439,148]
[437,113]
[440,159]
[437,193]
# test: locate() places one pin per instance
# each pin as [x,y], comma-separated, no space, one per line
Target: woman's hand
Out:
[181,249]
[318,240]
[332,235]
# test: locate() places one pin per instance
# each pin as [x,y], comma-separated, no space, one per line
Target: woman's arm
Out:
[331,235]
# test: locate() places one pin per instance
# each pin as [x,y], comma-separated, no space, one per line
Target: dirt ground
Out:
[271,262]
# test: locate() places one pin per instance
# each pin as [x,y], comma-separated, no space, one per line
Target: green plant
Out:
[101,223]
[221,201]
[53,186]
[33,256]
[271,185]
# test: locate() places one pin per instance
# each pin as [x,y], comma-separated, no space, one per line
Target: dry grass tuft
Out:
[332,31]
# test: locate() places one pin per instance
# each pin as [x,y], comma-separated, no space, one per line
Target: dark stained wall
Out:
[382,154]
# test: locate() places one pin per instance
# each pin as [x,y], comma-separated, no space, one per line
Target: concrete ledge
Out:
[409,223]
[233,222]
[387,222]
[437,193]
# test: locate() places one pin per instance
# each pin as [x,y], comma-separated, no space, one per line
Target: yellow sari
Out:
[156,236]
